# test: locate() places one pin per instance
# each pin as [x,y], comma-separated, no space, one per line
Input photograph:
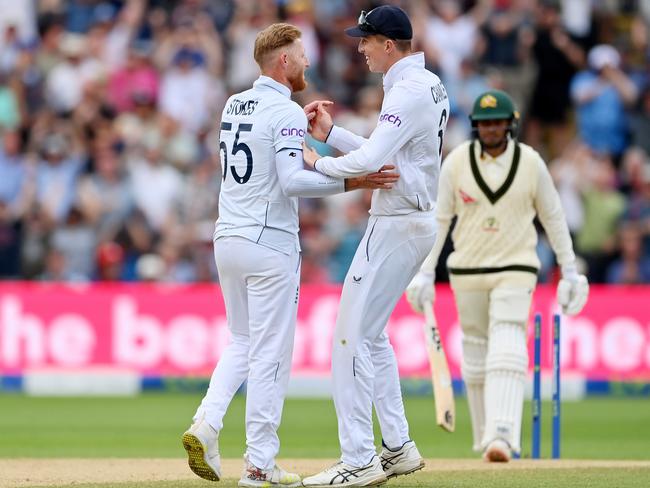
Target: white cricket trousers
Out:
[364,368]
[260,290]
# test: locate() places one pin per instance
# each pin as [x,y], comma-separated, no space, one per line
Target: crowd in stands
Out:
[109,161]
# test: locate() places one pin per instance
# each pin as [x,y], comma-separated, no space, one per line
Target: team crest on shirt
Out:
[467,199]
[491,224]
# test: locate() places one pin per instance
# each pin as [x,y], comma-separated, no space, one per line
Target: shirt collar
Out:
[396,72]
[269,82]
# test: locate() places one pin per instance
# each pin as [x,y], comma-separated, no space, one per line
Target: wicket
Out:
[537,387]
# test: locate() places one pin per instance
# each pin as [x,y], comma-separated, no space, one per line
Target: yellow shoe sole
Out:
[196,458]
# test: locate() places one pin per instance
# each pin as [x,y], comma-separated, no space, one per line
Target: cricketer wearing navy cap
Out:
[401,231]
[386,20]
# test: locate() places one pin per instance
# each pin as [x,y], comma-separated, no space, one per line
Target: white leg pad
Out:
[506,365]
[473,371]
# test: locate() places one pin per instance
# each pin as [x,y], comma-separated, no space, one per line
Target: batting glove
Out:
[420,291]
[572,290]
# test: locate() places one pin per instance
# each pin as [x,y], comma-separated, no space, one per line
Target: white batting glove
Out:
[420,291]
[572,290]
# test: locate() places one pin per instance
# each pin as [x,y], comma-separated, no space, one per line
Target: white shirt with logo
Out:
[261,138]
[409,135]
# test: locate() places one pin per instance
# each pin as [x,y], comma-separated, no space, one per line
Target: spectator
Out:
[137,78]
[199,203]
[558,58]
[105,196]
[157,187]
[188,93]
[640,122]
[452,36]
[13,202]
[109,262]
[56,178]
[508,37]
[57,269]
[633,267]
[601,95]
[9,104]
[66,82]
[10,49]
[14,184]
[603,207]
[638,205]
[76,241]
[469,85]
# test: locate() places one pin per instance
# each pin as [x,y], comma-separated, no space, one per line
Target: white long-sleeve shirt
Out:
[408,135]
[261,138]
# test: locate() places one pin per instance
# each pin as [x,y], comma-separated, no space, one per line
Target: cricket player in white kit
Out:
[400,232]
[257,254]
[495,186]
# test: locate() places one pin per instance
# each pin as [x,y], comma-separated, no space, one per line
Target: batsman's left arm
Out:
[550,213]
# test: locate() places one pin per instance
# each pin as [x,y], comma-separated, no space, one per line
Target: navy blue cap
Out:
[387,20]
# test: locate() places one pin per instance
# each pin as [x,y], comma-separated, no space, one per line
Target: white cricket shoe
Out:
[497,451]
[254,477]
[403,460]
[341,474]
[201,442]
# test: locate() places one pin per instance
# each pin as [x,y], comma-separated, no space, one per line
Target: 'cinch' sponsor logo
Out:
[393,119]
[292,131]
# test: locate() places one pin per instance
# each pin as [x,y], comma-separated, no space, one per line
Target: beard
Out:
[494,143]
[298,82]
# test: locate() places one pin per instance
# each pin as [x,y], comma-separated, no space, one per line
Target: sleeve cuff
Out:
[328,134]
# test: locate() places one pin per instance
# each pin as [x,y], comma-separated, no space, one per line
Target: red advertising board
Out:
[182,330]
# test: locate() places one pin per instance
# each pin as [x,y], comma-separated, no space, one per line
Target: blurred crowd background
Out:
[109,162]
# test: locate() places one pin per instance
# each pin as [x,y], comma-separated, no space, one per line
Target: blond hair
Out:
[273,37]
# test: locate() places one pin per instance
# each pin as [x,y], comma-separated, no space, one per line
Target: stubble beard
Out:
[298,83]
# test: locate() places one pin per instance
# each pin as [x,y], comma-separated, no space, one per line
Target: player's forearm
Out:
[383,145]
[431,261]
[624,86]
[351,165]
[551,215]
[558,235]
[299,182]
[310,184]
[344,140]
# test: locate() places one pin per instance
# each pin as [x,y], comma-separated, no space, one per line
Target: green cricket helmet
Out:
[495,105]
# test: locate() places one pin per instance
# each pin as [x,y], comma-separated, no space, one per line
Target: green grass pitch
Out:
[150,426]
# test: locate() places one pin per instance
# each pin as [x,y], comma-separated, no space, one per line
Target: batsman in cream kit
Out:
[496,186]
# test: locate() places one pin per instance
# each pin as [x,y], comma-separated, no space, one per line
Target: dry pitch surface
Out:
[24,473]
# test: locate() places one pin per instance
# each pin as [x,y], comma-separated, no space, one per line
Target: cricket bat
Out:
[442,389]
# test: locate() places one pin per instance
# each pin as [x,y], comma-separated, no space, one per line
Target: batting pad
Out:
[506,365]
[473,370]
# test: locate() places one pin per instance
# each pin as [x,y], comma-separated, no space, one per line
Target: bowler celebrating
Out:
[257,254]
